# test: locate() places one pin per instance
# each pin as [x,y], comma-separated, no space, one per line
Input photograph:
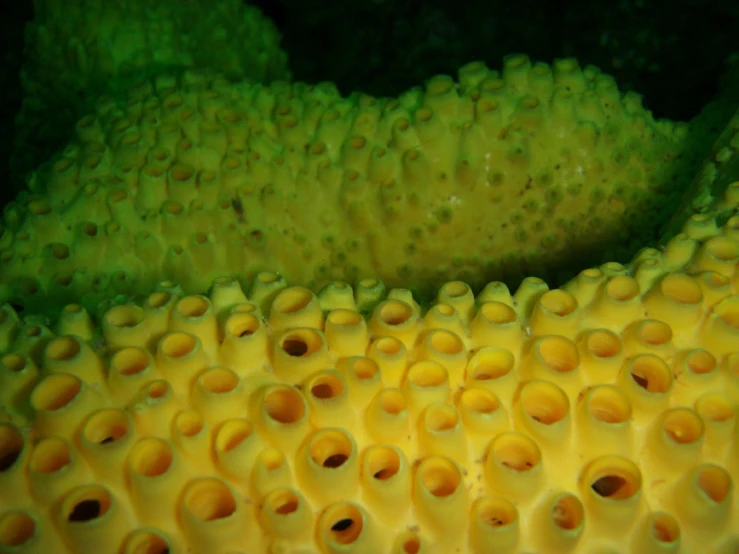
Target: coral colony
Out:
[246,317]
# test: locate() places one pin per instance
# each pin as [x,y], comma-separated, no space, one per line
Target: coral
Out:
[495,177]
[81,49]
[597,417]
[714,192]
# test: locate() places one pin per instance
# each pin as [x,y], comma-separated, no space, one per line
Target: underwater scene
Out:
[369,277]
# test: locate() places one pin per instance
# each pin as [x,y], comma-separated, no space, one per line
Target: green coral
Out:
[205,176]
[78,50]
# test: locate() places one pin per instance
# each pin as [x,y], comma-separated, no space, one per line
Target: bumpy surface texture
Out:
[600,417]
[498,176]
[714,192]
[80,49]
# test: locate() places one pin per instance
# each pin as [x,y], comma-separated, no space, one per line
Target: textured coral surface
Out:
[215,326]
[600,417]
[714,192]
[497,176]
[78,50]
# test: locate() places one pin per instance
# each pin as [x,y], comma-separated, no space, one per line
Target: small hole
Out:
[233,434]
[440,476]
[655,333]
[85,510]
[609,404]
[322,390]
[60,251]
[613,478]
[330,448]
[16,530]
[445,309]
[701,362]
[345,318]
[192,306]
[568,512]
[490,364]
[64,280]
[158,389]
[292,300]
[681,289]
[389,345]
[151,457]
[495,511]
[295,347]
[715,482]
[178,345]
[558,302]
[395,312]
[544,402]
[622,288]
[146,542]
[189,423]
[342,524]
[219,381]
[446,342]
[608,485]
[11,446]
[326,386]
[159,299]
[479,401]
[272,459]
[559,353]
[287,507]
[335,460]
[728,311]
[55,392]
[284,405]
[14,362]
[715,408]
[209,499]
[382,462]
[106,426]
[651,373]
[683,426]
[268,278]
[440,417]
[498,313]
[427,374]
[456,289]
[242,324]
[8,459]
[412,546]
[51,454]
[516,451]
[665,528]
[130,361]
[364,369]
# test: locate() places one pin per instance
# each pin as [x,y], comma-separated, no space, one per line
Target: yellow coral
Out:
[497,176]
[600,417]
